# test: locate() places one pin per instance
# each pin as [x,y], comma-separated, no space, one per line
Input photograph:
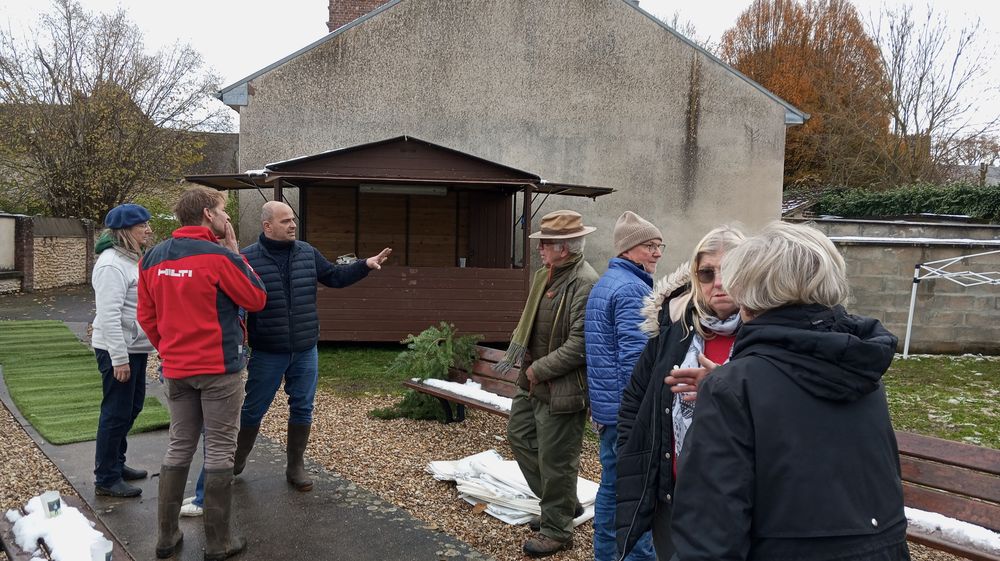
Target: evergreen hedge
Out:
[981,203]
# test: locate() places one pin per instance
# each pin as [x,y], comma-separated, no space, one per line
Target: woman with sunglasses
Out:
[694,324]
[792,454]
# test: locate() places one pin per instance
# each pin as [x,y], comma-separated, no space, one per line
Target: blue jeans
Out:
[264,373]
[199,487]
[120,406]
[605,545]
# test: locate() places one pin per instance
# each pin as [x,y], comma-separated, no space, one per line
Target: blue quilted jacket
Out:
[289,323]
[614,341]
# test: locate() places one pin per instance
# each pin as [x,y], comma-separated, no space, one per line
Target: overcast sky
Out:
[237,37]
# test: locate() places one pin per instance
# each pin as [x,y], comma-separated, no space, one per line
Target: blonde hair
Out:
[193,202]
[718,241]
[120,237]
[785,264]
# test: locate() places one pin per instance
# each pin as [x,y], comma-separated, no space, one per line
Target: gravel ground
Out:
[386,457]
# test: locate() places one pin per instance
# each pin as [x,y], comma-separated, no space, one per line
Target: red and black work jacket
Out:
[191,290]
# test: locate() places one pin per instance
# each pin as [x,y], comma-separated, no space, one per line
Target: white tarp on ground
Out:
[489,479]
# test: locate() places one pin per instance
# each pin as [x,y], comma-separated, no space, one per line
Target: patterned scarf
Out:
[683,411]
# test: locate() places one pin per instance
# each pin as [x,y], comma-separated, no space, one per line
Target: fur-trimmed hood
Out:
[662,289]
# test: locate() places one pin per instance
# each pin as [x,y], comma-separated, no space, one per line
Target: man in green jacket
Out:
[549,412]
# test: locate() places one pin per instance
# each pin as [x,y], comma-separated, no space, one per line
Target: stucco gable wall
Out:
[579,91]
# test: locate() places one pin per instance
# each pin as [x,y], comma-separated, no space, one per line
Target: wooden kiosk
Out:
[452,219]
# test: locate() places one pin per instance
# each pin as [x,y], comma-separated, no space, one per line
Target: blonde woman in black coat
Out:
[792,454]
[693,323]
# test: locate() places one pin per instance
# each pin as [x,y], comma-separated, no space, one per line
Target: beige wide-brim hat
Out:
[562,225]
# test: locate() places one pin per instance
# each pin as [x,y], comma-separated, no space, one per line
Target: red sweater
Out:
[191,290]
[717,348]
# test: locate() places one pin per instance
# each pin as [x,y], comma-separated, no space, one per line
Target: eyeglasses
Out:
[653,247]
[707,275]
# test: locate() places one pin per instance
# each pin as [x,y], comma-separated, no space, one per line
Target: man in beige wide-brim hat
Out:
[550,409]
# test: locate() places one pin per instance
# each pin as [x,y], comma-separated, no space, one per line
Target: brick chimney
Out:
[346,11]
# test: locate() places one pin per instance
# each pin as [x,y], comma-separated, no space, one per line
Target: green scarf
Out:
[522,333]
[107,241]
[104,242]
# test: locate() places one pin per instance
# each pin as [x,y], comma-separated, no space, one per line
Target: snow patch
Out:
[470,390]
[69,536]
[953,530]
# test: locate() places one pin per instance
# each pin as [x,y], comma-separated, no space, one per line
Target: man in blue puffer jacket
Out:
[614,343]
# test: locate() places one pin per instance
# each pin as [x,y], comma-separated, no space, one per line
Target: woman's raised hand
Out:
[685,380]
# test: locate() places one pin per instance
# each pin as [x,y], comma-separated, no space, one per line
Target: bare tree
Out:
[687,28]
[973,156]
[91,119]
[932,102]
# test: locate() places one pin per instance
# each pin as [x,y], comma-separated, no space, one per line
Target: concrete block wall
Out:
[836,227]
[948,317]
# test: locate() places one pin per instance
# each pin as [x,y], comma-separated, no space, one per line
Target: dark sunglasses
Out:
[706,275]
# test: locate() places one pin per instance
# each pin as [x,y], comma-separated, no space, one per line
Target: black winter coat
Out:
[289,322]
[645,430]
[791,454]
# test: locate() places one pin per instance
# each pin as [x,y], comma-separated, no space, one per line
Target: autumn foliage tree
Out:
[817,56]
[91,119]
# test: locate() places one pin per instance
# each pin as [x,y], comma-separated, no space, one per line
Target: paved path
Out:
[337,520]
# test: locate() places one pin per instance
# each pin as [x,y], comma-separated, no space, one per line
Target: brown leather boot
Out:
[244,444]
[295,473]
[168,509]
[543,546]
[220,543]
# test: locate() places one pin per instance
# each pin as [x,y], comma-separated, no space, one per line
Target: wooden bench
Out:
[956,480]
[481,372]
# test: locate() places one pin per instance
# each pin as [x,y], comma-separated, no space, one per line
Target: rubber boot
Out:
[168,508]
[295,473]
[244,444]
[219,542]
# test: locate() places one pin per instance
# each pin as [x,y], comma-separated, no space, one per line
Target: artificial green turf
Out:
[53,379]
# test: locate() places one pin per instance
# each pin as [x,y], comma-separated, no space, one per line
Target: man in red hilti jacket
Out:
[191,289]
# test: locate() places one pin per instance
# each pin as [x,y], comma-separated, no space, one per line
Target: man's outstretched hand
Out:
[376,262]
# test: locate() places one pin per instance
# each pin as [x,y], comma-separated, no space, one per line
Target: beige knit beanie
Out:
[632,230]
